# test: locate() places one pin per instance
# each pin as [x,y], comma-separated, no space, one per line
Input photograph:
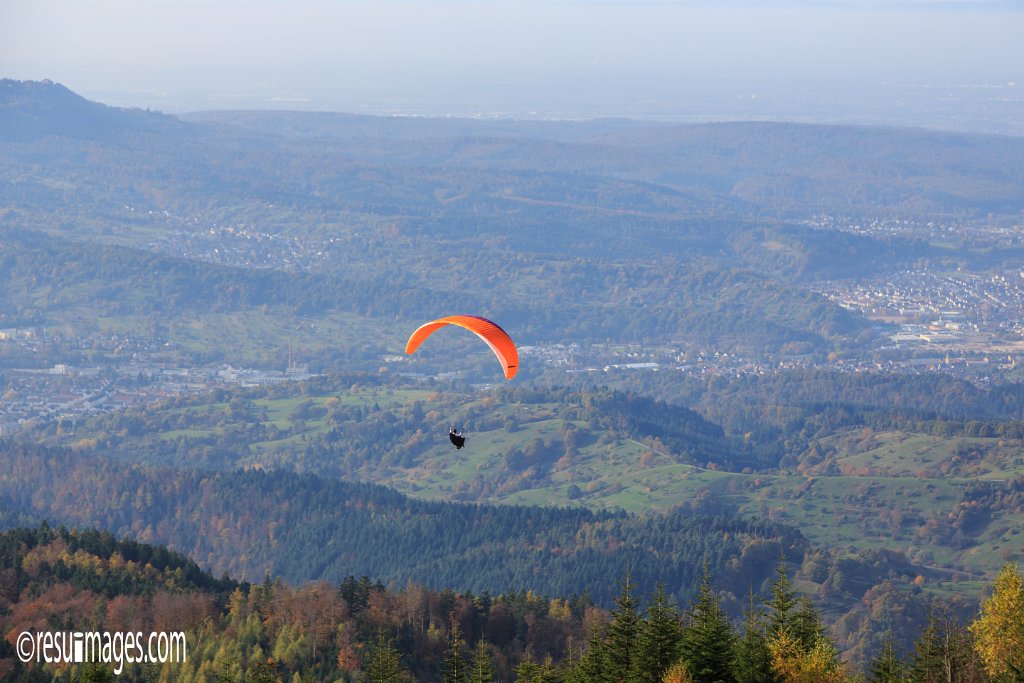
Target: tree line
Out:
[359,630]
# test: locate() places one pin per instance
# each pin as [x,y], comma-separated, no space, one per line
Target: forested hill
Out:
[128,567]
[565,231]
[777,167]
[32,110]
[572,230]
[700,302]
[249,523]
[357,629]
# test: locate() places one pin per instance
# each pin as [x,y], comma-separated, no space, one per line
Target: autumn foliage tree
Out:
[999,629]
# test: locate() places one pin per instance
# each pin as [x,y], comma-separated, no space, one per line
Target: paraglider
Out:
[499,341]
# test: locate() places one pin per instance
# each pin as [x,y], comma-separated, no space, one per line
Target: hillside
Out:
[301,527]
[778,168]
[690,395]
[30,111]
[852,474]
[123,289]
[86,580]
[604,230]
[358,629]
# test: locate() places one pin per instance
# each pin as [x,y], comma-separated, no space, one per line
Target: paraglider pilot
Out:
[456,437]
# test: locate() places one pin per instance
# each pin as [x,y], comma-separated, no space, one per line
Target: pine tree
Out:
[621,636]
[708,638]
[999,629]
[805,624]
[481,670]
[262,672]
[886,667]
[96,673]
[456,666]
[382,664]
[926,662]
[783,602]
[753,661]
[590,667]
[658,640]
[530,671]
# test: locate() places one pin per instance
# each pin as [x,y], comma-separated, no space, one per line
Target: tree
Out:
[96,673]
[999,629]
[805,624]
[456,666]
[481,670]
[753,661]
[926,662]
[383,662]
[886,667]
[795,664]
[783,602]
[621,636]
[944,652]
[262,672]
[530,671]
[707,640]
[658,640]
[677,673]
[590,667]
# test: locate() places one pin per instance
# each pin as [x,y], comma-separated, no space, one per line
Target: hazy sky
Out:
[514,56]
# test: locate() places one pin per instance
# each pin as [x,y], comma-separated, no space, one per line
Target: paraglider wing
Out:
[499,341]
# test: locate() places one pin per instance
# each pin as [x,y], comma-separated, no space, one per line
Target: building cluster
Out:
[196,238]
[955,305]
[67,392]
[934,232]
[239,246]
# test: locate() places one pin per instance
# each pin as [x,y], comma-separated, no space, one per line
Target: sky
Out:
[927,61]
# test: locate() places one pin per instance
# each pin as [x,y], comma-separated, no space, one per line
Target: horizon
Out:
[941,65]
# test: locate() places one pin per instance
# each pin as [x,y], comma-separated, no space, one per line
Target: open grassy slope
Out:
[853,491]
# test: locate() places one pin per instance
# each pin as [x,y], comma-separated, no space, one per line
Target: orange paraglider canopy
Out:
[499,341]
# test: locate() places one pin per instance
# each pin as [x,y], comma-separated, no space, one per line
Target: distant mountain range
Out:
[765,164]
[796,169]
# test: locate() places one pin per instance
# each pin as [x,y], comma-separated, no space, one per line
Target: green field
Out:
[853,491]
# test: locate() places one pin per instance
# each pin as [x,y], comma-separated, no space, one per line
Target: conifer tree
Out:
[926,662]
[805,624]
[708,638]
[382,664]
[783,602]
[886,667]
[590,667]
[530,671]
[481,670]
[96,673]
[456,665]
[753,661]
[262,672]
[620,642]
[658,640]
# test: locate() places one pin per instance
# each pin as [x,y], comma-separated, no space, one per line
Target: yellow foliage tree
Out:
[796,664]
[999,629]
[677,673]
